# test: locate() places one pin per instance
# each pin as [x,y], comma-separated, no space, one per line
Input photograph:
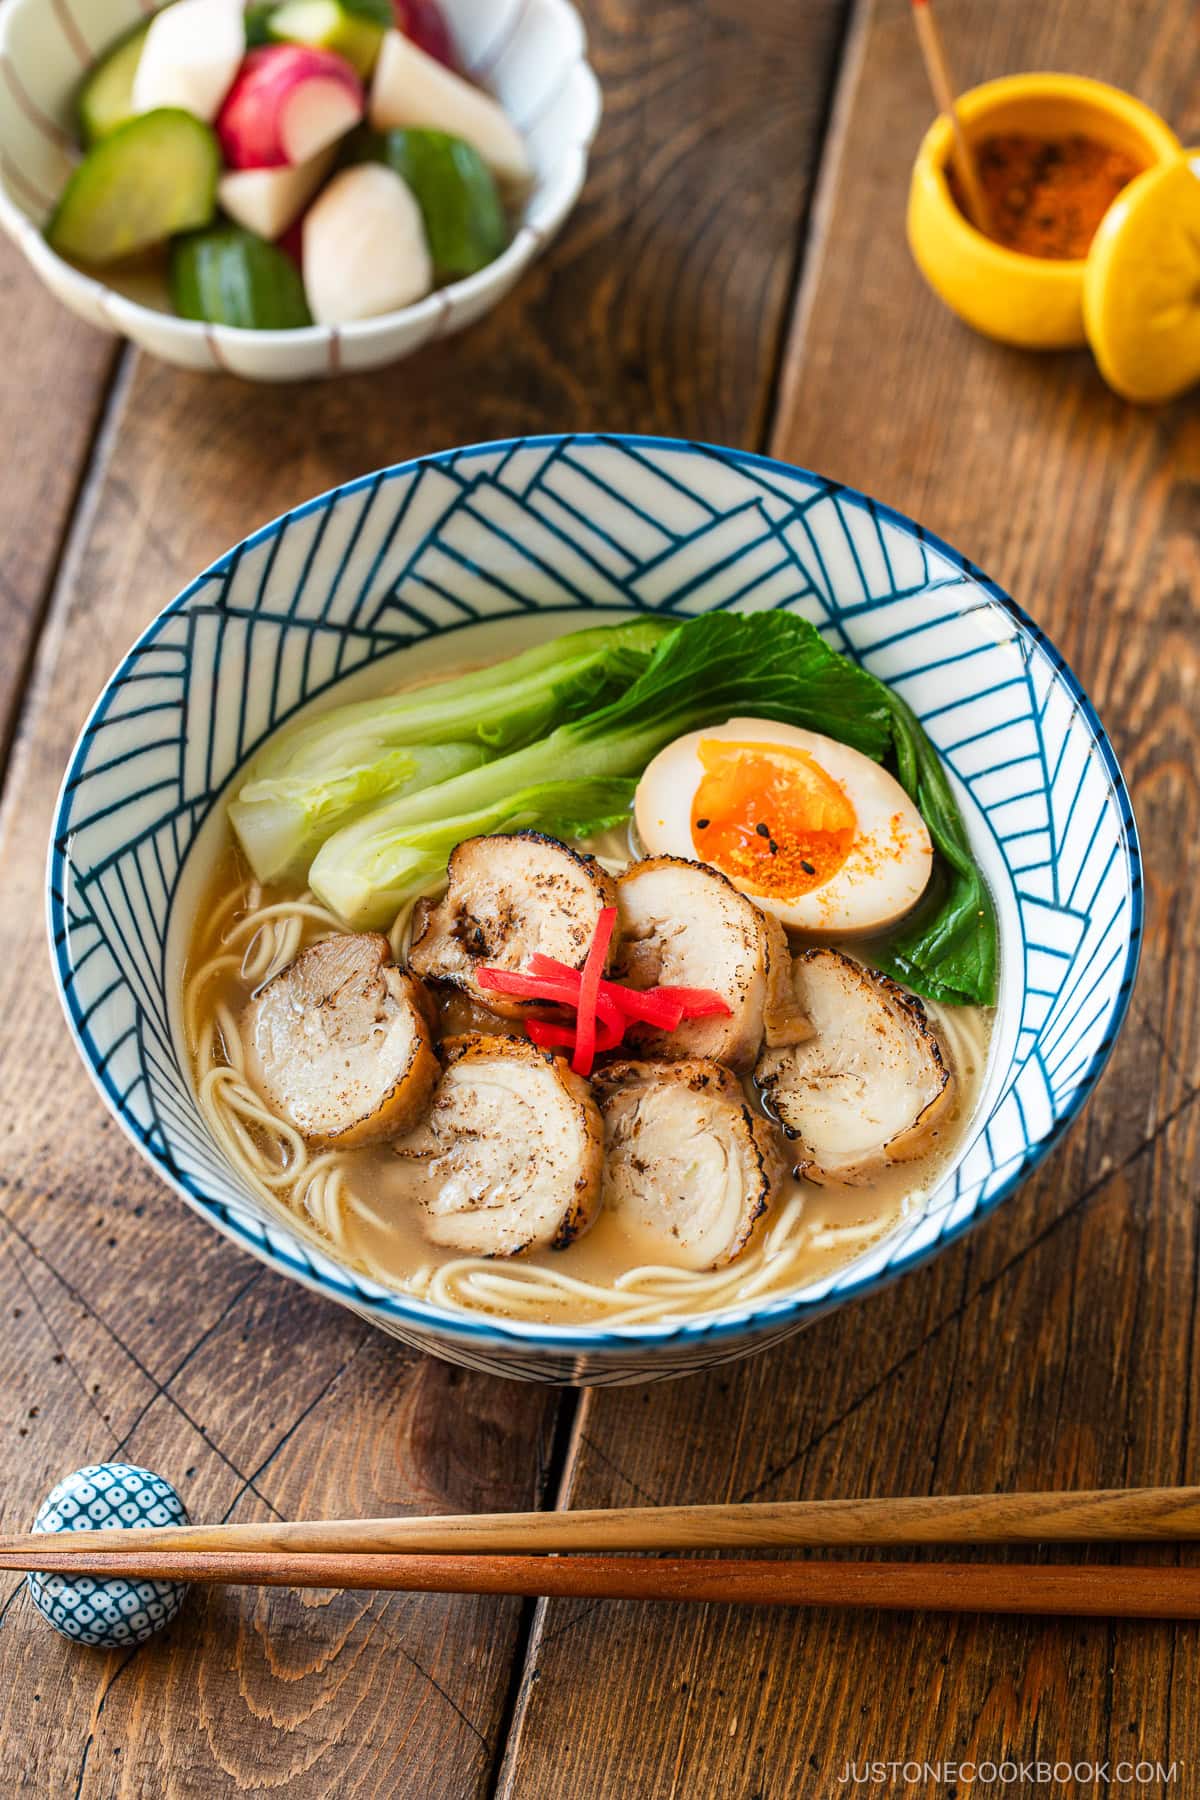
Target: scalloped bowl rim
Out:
[746,1320]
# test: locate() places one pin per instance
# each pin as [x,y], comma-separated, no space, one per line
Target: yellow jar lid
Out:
[1141,285]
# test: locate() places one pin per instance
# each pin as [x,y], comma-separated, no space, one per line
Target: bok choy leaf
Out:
[948,948]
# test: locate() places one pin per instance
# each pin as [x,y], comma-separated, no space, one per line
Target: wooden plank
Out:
[1055,1346]
[662,306]
[57,374]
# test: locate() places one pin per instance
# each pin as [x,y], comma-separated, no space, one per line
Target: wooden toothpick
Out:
[938,69]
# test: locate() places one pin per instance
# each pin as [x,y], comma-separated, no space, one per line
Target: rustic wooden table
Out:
[737,271]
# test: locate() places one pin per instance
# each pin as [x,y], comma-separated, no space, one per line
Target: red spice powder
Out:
[1047,196]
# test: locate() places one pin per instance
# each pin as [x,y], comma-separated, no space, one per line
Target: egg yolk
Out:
[769,816]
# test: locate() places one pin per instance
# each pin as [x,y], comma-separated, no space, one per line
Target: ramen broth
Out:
[359,1203]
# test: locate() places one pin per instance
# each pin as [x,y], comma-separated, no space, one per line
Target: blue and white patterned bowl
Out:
[551,532]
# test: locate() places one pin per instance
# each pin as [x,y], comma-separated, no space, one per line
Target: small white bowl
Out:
[532,54]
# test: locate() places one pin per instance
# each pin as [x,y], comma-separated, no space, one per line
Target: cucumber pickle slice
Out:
[257,21]
[228,276]
[106,97]
[329,25]
[151,177]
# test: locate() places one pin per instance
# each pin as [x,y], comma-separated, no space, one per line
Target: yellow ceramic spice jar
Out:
[1031,301]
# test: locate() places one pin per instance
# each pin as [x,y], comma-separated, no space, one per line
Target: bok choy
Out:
[317,775]
[948,948]
[370,798]
[374,872]
[580,777]
[770,665]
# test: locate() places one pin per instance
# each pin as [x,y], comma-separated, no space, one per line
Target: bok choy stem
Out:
[768,665]
[318,774]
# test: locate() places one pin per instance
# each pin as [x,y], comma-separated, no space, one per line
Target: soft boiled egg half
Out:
[812,830]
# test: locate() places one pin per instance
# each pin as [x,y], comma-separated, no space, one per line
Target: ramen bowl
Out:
[423,564]
[531,54]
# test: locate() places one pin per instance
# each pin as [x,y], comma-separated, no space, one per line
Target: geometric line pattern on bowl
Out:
[593,525]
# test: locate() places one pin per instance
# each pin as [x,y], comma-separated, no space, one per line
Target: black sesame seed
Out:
[807,867]
[773,847]
[703,824]
[763,831]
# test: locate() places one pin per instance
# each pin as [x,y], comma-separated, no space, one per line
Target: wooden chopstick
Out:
[1109,1515]
[1089,1591]
[937,67]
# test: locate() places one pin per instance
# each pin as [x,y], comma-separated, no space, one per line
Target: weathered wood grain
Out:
[342,1693]
[1057,1345]
[661,307]
[57,371]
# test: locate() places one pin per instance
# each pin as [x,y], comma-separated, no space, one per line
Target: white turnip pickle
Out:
[410,88]
[190,57]
[456,191]
[267,201]
[365,251]
[287,105]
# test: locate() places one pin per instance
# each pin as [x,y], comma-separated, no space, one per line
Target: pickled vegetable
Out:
[106,97]
[460,203]
[230,277]
[153,176]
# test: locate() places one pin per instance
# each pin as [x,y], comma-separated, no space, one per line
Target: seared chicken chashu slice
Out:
[509,897]
[684,924]
[686,1160]
[455,1014]
[510,1155]
[869,1087]
[339,1043]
